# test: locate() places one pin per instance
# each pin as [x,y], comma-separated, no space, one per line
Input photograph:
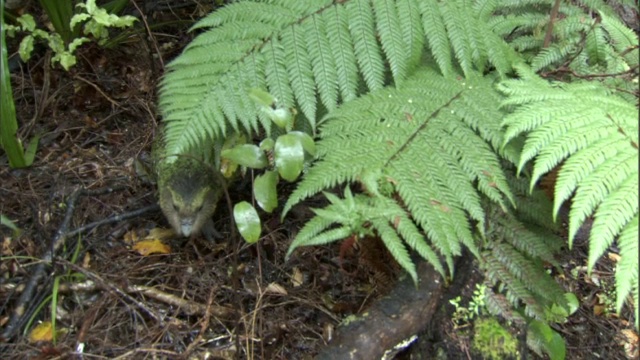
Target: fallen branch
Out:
[390,321]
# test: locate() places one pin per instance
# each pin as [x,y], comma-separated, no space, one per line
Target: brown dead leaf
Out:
[629,340]
[148,247]
[598,309]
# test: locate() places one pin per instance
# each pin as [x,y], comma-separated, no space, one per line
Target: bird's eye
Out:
[175,207]
[199,208]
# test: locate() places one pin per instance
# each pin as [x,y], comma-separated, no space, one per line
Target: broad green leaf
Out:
[78,18]
[267,144]
[264,189]
[572,301]
[281,117]
[27,22]
[247,221]
[556,348]
[307,141]
[26,47]
[246,155]
[66,60]
[289,156]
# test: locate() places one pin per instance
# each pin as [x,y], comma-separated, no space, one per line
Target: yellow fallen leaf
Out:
[42,332]
[148,247]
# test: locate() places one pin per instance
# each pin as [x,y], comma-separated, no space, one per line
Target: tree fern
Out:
[402,95]
[575,31]
[594,132]
[305,52]
[420,139]
[517,242]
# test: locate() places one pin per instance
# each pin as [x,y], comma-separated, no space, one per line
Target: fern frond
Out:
[412,32]
[437,36]
[341,46]
[457,35]
[627,270]
[552,55]
[613,215]
[394,244]
[324,65]
[420,139]
[305,52]
[624,40]
[517,292]
[595,133]
[362,28]
[391,37]
[299,68]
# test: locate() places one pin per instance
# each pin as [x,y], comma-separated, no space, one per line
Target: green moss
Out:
[493,341]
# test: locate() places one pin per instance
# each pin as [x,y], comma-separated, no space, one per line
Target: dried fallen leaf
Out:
[42,332]
[629,340]
[297,278]
[598,310]
[274,288]
[86,261]
[148,247]
[613,257]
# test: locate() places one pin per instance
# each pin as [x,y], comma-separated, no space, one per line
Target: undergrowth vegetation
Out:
[444,116]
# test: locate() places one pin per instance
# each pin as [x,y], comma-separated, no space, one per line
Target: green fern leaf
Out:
[391,37]
[434,28]
[624,40]
[613,215]
[595,133]
[433,158]
[362,28]
[341,46]
[299,69]
[457,35]
[324,66]
[412,31]
[394,244]
[627,270]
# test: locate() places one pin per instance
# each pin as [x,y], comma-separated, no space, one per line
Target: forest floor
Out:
[194,300]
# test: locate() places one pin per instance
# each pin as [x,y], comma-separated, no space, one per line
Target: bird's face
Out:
[187,210]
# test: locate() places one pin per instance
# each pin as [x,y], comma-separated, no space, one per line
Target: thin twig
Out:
[552,19]
[113,102]
[114,219]
[113,288]
[151,37]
